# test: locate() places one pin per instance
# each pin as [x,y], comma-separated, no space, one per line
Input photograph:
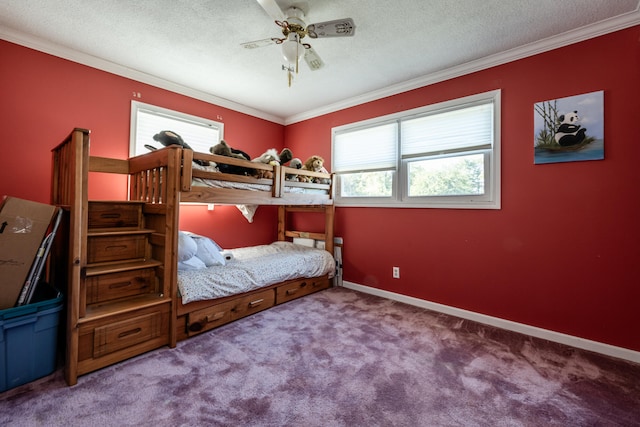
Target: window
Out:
[444,155]
[147,120]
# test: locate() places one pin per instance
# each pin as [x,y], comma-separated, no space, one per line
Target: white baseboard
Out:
[595,346]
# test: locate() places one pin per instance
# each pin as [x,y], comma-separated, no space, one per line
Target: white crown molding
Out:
[565,39]
[570,340]
[570,37]
[130,73]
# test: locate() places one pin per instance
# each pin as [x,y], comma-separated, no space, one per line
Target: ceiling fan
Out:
[294,30]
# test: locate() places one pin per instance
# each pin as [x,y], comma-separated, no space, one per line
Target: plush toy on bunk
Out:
[316,164]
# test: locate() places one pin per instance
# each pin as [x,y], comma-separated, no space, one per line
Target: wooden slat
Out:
[227,177]
[103,164]
[305,234]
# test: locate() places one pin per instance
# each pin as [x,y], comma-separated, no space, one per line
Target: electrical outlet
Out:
[396,272]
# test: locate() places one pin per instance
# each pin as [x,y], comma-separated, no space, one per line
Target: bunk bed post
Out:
[278,178]
[185,176]
[69,191]
[282,216]
[328,227]
[172,205]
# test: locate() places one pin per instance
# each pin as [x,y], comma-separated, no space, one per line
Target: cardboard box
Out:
[23,225]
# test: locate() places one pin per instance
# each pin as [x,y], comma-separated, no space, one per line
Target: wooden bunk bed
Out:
[122,292]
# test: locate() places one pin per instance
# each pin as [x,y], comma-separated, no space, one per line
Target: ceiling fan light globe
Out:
[292,51]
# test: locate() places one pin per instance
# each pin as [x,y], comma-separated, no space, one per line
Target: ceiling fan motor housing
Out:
[294,23]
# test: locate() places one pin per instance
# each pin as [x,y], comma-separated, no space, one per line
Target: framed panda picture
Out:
[569,129]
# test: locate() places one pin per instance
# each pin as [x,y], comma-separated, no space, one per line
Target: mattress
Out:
[252,268]
[214,183]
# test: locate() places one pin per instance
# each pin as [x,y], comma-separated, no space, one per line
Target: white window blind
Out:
[367,149]
[147,120]
[448,132]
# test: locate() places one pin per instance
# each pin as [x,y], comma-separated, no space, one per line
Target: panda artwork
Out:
[569,133]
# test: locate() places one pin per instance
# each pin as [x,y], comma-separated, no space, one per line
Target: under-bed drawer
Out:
[209,318]
[108,287]
[217,315]
[253,303]
[293,290]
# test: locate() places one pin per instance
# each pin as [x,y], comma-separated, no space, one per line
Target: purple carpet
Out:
[342,358]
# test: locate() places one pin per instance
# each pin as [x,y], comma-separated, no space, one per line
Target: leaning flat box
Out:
[23,225]
[28,341]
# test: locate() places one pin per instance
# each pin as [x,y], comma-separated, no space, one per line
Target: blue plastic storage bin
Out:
[28,341]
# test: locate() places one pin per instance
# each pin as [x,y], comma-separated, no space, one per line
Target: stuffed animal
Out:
[568,132]
[168,137]
[271,157]
[223,149]
[316,164]
[295,163]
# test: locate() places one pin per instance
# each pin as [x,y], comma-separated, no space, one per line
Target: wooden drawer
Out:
[114,214]
[115,248]
[107,287]
[126,333]
[298,288]
[209,318]
[111,339]
[253,303]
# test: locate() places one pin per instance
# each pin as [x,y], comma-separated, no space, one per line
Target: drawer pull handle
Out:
[110,215]
[215,317]
[196,327]
[119,285]
[303,284]
[256,303]
[116,247]
[130,332]
[292,291]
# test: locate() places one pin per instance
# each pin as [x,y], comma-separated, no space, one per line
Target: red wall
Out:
[563,252]
[42,98]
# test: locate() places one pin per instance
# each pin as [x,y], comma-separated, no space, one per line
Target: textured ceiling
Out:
[194,46]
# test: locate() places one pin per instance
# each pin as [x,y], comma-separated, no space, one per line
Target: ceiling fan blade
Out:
[337,28]
[312,59]
[257,43]
[272,9]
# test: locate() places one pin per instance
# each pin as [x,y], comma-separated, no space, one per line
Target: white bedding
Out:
[252,268]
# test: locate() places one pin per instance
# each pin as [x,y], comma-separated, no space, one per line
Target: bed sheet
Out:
[252,268]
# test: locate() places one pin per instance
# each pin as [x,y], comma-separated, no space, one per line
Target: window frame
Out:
[137,106]
[491,199]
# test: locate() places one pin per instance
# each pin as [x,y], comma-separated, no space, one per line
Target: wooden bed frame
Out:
[107,326]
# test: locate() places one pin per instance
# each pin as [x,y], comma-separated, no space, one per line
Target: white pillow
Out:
[187,246]
[193,263]
[208,251]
